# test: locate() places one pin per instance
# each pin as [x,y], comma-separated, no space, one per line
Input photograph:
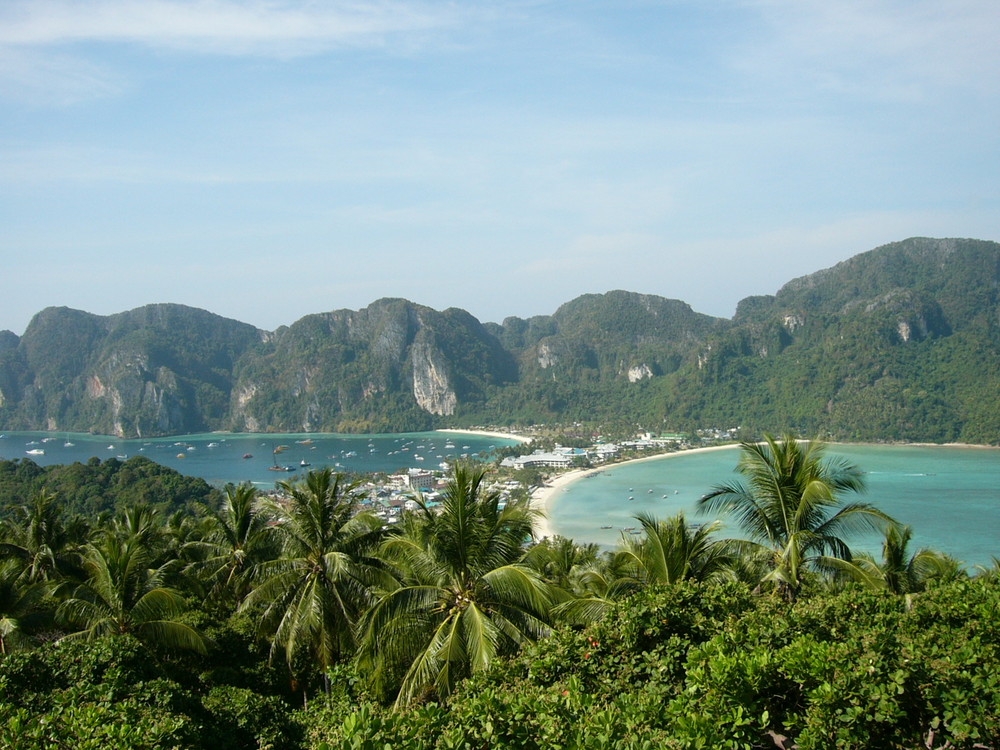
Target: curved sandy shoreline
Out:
[489,433]
[541,498]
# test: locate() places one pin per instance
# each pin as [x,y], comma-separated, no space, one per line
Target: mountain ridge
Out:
[899,342]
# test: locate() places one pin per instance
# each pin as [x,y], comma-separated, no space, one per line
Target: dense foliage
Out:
[100,486]
[900,343]
[249,623]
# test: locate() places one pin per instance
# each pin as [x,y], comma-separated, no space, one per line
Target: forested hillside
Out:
[898,343]
[308,623]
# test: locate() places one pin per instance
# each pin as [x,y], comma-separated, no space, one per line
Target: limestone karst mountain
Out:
[898,343]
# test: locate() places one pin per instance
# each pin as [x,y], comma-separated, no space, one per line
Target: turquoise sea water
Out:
[218,458]
[949,495]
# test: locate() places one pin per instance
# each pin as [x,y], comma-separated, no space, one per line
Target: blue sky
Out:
[269,159]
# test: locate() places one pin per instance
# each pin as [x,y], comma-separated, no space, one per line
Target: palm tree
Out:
[791,511]
[900,572]
[238,539]
[123,595]
[560,559]
[19,603]
[673,550]
[39,540]
[466,596]
[668,552]
[312,595]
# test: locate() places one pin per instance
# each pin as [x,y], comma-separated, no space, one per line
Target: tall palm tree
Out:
[239,538]
[466,596]
[312,595]
[791,509]
[124,595]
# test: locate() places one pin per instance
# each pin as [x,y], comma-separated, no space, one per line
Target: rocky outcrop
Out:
[431,387]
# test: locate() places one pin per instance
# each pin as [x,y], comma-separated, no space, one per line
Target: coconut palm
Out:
[667,552]
[673,550]
[900,571]
[466,597]
[559,559]
[238,538]
[311,596]
[19,604]
[36,536]
[123,594]
[791,509]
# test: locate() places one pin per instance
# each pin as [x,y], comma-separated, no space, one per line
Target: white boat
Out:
[35,452]
[68,444]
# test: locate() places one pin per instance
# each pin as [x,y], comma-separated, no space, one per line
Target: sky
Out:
[268,159]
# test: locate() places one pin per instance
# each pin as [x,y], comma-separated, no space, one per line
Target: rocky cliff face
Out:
[156,370]
[881,345]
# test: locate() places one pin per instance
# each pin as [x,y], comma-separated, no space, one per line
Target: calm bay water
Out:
[219,458]
[949,495]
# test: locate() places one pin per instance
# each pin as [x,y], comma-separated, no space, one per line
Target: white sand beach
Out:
[541,498]
[488,433]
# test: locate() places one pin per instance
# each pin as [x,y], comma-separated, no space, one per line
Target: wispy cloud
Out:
[883,49]
[54,79]
[288,27]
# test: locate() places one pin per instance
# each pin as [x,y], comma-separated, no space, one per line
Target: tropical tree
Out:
[312,595]
[791,508]
[560,559]
[38,538]
[123,594]
[900,571]
[667,552]
[19,603]
[238,539]
[466,597]
[673,550]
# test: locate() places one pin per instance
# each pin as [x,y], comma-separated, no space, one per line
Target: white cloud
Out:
[219,26]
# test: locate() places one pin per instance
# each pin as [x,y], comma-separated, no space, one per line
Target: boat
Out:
[607,527]
[35,452]
[280,468]
[212,445]
[303,462]
[248,455]
[182,455]
[111,447]
[307,441]
[122,457]
[68,444]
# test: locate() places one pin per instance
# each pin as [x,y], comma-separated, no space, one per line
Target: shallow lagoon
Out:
[949,495]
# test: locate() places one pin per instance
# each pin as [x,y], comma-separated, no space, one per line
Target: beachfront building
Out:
[539,459]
